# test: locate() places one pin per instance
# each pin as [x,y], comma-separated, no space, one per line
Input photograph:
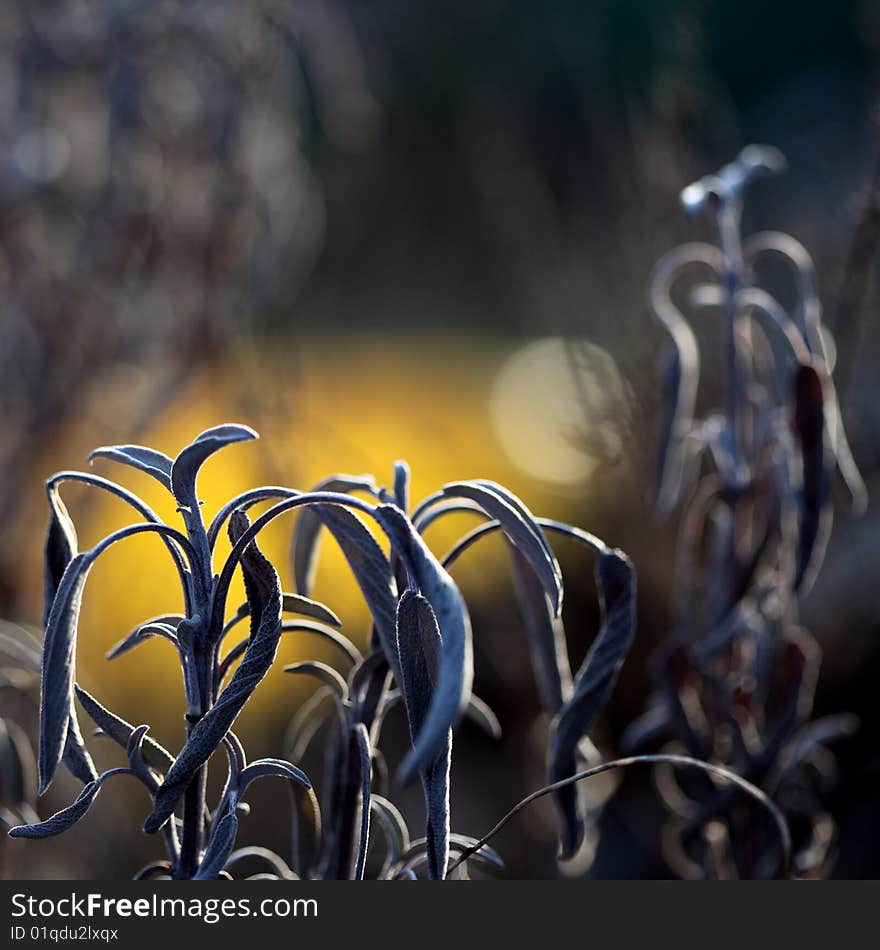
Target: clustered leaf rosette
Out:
[736,677]
[420,653]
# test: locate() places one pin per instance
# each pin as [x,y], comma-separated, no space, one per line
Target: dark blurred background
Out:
[366,229]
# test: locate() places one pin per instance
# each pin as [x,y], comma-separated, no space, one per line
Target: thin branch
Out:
[684,760]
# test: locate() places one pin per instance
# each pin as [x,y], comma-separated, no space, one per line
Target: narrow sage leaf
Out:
[185,468]
[261,583]
[304,544]
[120,731]
[75,755]
[362,742]
[308,720]
[63,819]
[593,684]
[297,604]
[147,460]
[326,674]
[546,635]
[455,667]
[236,760]
[420,647]
[368,685]
[342,643]
[277,767]
[164,626]
[370,567]
[220,844]
[519,506]
[59,647]
[522,531]
[306,824]
[351,795]
[176,545]
[60,549]
[59,652]
[395,830]
[134,746]
[401,485]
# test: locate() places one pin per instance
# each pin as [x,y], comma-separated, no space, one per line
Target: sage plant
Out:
[420,653]
[737,673]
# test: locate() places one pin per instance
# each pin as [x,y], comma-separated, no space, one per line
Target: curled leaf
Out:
[351,794]
[481,713]
[546,635]
[277,767]
[394,828]
[185,467]
[75,755]
[593,684]
[63,819]
[295,604]
[306,825]
[59,651]
[56,694]
[420,647]
[520,528]
[304,545]
[220,845]
[362,743]
[162,626]
[342,643]
[120,731]
[326,674]
[146,460]
[370,567]
[452,689]
[309,718]
[60,550]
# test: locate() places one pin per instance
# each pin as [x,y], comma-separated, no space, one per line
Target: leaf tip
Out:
[153,823]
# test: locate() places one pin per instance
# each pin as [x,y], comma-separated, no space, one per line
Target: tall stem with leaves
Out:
[737,674]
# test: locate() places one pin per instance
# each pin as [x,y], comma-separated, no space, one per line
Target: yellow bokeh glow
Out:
[351,408]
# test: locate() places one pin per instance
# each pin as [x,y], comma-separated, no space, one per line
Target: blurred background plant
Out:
[294,213]
[755,478]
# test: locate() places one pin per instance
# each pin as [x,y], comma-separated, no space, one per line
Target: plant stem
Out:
[193,824]
[683,760]
[192,836]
